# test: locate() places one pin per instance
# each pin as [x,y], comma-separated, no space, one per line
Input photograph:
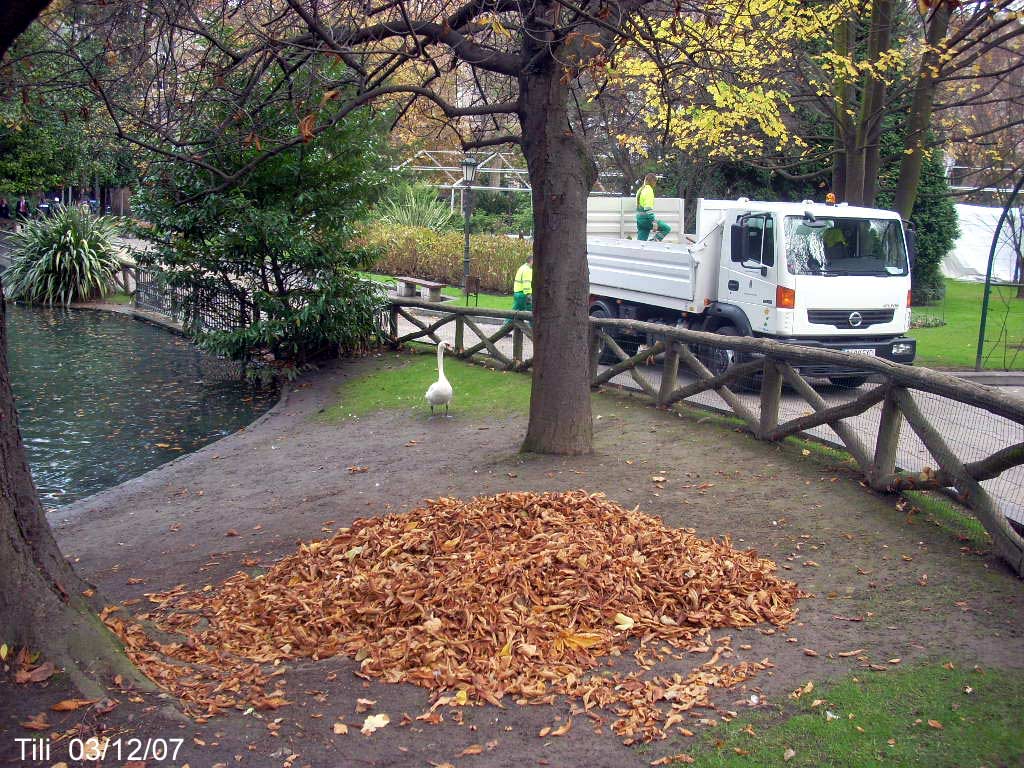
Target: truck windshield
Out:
[835,246]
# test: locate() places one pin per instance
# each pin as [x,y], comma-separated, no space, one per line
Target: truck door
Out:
[748,279]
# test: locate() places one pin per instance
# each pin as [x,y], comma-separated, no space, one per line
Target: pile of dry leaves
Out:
[518,594]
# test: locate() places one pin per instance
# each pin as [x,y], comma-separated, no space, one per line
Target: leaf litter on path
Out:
[519,595]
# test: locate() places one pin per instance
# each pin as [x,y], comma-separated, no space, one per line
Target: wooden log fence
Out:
[767,365]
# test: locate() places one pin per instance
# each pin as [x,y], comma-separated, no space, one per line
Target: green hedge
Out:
[421,252]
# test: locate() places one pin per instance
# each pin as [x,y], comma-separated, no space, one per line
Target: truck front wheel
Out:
[719,359]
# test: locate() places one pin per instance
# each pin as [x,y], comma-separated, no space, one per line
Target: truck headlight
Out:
[902,348]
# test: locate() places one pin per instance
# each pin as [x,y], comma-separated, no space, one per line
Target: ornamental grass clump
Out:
[416,206]
[67,257]
[519,595]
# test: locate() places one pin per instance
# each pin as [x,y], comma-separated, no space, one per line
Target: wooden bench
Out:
[429,290]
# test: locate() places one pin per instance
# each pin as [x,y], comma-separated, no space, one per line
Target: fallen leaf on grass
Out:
[37,675]
[358,470]
[364,705]
[70,705]
[623,622]
[340,729]
[788,755]
[36,722]
[802,690]
[935,724]
[105,706]
[563,729]
[847,654]
[810,652]
[373,723]
[472,749]
[682,757]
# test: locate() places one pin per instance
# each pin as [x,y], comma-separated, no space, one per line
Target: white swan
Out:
[440,392]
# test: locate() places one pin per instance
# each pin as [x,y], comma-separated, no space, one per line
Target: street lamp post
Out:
[469,164]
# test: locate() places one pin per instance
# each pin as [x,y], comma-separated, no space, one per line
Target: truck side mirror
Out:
[739,243]
[911,236]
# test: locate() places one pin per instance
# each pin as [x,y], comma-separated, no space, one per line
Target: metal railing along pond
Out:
[196,307]
[909,428]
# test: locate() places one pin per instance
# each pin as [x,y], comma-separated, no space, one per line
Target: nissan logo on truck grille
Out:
[850,318]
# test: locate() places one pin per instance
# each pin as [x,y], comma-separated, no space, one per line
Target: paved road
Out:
[972,432]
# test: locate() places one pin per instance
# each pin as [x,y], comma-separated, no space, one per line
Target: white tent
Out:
[968,259]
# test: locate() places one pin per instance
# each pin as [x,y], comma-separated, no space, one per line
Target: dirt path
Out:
[914,594]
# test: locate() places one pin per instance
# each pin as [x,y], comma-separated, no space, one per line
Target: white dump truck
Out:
[816,274]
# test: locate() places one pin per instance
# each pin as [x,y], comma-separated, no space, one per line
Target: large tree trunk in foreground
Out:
[561,174]
[42,607]
[15,16]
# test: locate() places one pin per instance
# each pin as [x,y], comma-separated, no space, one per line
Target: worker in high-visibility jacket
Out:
[645,220]
[522,287]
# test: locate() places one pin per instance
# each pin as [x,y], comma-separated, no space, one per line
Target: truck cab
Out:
[832,276]
[820,275]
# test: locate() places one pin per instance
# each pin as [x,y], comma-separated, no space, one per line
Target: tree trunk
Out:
[15,16]
[42,606]
[561,174]
[920,115]
[869,126]
[843,124]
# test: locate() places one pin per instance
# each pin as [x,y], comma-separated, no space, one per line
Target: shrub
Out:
[431,255]
[935,222]
[934,219]
[275,243]
[65,257]
[415,205]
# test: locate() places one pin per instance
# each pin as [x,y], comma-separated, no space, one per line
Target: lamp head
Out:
[469,164]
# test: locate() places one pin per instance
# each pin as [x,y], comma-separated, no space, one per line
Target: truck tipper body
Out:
[832,276]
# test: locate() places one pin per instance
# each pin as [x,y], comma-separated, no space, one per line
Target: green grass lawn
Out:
[479,391]
[955,344]
[487,300]
[926,715]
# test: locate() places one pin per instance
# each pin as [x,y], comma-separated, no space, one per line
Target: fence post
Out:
[517,344]
[669,372]
[771,395]
[595,350]
[460,335]
[883,466]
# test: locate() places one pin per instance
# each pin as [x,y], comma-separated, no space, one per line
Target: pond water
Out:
[103,398]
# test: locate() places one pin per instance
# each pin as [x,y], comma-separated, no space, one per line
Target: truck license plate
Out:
[870,351]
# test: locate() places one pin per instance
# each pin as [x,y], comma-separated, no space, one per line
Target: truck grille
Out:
[841,318]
